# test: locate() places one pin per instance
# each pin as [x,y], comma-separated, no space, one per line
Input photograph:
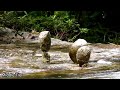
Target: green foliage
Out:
[64,25]
[84,30]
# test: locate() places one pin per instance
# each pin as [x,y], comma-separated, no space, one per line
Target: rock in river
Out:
[83,55]
[74,47]
[45,41]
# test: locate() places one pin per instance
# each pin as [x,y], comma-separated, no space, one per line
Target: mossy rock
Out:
[45,57]
[74,47]
[83,55]
[45,41]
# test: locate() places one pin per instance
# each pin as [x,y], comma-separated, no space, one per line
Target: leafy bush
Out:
[64,25]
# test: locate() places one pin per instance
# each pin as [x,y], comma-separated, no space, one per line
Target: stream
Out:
[23,61]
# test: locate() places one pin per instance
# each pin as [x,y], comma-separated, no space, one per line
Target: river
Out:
[23,61]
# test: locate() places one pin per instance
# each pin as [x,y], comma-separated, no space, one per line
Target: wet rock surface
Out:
[83,55]
[24,60]
[74,48]
[45,44]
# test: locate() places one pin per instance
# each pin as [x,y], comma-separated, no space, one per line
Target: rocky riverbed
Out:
[23,60]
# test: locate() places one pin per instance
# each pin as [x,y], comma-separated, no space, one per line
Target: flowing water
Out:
[23,61]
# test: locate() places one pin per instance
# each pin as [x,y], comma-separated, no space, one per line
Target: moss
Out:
[21,64]
[109,67]
[55,74]
[2,70]
[61,74]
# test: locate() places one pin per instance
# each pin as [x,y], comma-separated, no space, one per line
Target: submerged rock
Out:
[45,57]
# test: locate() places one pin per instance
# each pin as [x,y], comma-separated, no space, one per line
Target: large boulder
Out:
[74,47]
[83,55]
[45,41]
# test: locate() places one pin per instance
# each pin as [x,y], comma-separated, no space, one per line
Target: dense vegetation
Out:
[94,26]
